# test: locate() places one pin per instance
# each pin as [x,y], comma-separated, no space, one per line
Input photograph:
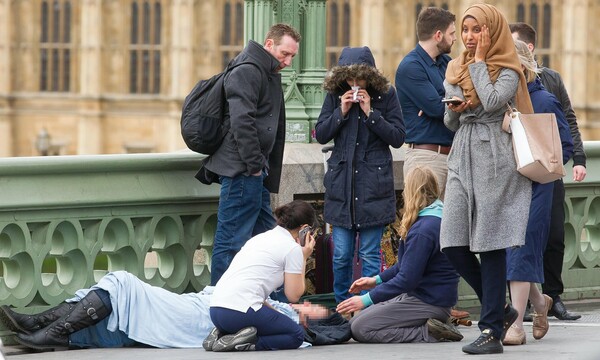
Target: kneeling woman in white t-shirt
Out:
[264,263]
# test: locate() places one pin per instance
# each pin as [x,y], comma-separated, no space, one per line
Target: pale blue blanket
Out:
[154,316]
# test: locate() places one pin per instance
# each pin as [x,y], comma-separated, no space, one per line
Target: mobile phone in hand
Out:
[453,101]
[302,234]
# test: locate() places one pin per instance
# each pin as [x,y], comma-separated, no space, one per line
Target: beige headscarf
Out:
[501,54]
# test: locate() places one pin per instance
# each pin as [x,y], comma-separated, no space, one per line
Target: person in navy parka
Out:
[361,114]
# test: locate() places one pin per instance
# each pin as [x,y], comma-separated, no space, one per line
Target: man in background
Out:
[420,87]
[555,249]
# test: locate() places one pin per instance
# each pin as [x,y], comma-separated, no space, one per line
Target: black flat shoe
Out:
[559,311]
[486,343]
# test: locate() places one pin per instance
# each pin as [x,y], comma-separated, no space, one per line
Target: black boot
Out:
[27,324]
[87,312]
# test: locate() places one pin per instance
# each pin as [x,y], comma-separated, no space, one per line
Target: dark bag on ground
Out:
[203,120]
[332,330]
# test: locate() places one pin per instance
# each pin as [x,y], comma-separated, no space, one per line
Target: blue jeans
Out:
[244,211]
[98,336]
[275,331]
[343,255]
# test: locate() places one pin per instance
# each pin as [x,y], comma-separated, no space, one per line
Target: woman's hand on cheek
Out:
[483,44]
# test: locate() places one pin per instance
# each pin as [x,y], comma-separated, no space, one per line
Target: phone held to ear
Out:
[302,234]
[453,101]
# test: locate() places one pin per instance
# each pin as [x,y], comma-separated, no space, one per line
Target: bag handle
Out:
[507,117]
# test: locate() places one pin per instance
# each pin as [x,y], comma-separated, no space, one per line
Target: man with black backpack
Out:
[248,162]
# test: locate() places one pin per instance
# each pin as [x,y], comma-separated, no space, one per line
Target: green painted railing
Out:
[581,269]
[66,221]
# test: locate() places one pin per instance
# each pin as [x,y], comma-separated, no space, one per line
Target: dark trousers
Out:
[555,249]
[275,331]
[488,279]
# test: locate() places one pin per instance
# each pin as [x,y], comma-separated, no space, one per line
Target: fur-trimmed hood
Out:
[355,63]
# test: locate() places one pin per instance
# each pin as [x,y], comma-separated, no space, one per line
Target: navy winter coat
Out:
[359,183]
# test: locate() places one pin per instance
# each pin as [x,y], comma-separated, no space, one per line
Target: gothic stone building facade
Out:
[109,76]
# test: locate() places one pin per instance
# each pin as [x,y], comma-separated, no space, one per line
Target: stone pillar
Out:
[372,13]
[181,54]
[6,136]
[313,60]
[302,81]
[89,134]
[181,57]
[575,55]
[259,17]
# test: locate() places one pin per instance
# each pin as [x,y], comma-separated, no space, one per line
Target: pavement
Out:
[577,340]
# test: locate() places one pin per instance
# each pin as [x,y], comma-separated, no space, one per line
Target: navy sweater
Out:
[420,87]
[422,270]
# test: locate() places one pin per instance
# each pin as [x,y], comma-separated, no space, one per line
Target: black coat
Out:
[256,138]
[359,183]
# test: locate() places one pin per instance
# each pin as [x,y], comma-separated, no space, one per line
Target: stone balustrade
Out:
[67,220]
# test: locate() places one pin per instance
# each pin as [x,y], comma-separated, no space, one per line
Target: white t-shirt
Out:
[257,270]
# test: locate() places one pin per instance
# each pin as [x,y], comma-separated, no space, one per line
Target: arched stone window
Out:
[55,45]
[538,14]
[145,47]
[338,29]
[232,35]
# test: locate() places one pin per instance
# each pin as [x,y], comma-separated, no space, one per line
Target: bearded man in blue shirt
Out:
[419,84]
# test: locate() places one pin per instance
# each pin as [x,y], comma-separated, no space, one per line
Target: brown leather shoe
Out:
[540,320]
[459,314]
[514,336]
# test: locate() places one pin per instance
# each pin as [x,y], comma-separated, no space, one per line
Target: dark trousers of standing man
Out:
[555,249]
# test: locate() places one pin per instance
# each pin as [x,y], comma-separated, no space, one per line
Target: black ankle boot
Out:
[27,324]
[89,311]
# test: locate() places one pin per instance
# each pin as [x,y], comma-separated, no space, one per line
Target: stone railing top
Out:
[84,180]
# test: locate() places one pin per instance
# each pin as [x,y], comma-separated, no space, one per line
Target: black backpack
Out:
[203,123]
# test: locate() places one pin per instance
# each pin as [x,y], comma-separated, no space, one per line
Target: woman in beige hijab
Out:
[487,200]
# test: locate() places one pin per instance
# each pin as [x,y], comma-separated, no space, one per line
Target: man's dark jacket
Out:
[256,138]
[554,84]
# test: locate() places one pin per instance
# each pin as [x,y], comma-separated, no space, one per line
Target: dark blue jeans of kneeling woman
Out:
[275,331]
